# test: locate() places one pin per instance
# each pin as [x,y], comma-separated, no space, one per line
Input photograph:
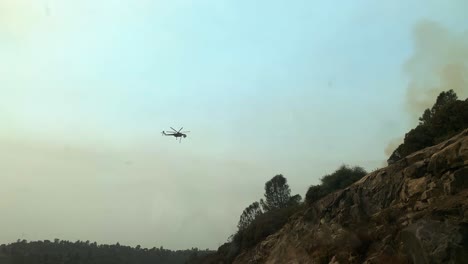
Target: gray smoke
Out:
[439,63]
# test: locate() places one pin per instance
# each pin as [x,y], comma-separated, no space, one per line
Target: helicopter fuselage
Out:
[177,135]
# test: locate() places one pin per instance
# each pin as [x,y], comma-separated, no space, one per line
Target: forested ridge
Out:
[85,252]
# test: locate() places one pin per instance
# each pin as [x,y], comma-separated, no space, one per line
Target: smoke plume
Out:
[439,63]
[394,143]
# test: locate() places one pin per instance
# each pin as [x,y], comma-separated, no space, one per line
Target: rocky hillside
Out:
[413,211]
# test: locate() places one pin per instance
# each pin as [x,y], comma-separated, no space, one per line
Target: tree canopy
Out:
[339,179]
[249,214]
[277,194]
[84,252]
[447,117]
[260,219]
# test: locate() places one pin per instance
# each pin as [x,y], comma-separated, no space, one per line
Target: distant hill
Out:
[79,252]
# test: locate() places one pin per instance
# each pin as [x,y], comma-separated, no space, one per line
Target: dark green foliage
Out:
[450,120]
[249,214]
[315,193]
[277,194]
[447,117]
[224,254]
[65,252]
[426,117]
[444,99]
[295,200]
[341,178]
[263,226]
[278,206]
[255,224]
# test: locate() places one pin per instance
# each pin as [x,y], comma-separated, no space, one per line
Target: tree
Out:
[295,200]
[341,178]
[277,193]
[249,214]
[314,193]
[426,117]
[444,99]
[447,117]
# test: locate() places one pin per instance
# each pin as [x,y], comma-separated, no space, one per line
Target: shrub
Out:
[341,178]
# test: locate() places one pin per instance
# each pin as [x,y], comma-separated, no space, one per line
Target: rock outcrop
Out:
[413,211]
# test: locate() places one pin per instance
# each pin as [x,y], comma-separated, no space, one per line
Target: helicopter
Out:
[176,133]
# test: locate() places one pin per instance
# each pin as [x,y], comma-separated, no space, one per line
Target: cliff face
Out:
[413,211]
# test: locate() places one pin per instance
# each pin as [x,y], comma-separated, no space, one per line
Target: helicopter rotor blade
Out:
[180,129]
[173,129]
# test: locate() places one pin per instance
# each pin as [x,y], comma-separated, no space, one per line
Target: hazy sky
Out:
[265,87]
